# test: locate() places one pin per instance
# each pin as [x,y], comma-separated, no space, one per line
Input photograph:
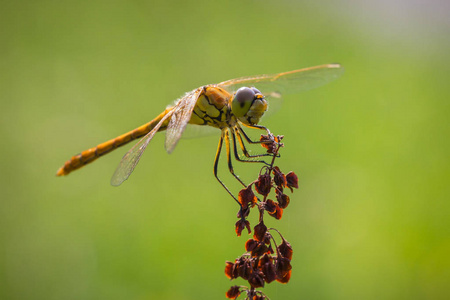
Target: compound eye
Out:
[256,90]
[244,95]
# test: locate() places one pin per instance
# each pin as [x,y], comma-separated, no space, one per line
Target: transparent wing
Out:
[193,131]
[180,118]
[287,82]
[132,157]
[274,102]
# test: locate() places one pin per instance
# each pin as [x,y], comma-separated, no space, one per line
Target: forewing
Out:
[132,157]
[287,82]
[180,118]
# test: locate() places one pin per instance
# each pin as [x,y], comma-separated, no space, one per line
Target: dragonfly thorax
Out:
[248,105]
[212,108]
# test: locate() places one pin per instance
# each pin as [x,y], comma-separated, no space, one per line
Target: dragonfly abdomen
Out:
[92,154]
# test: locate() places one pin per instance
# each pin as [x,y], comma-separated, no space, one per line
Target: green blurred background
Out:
[371,219]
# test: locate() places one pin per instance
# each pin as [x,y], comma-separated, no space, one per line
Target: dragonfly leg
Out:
[254,127]
[230,164]
[216,163]
[250,141]
[235,133]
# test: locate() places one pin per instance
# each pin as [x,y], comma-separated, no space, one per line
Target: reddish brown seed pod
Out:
[229,268]
[285,249]
[260,231]
[246,197]
[240,225]
[263,184]
[283,199]
[279,178]
[256,280]
[291,180]
[233,292]
[278,213]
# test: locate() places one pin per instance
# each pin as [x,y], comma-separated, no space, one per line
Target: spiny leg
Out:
[250,141]
[253,127]
[235,133]
[225,134]
[231,131]
[216,163]
[230,164]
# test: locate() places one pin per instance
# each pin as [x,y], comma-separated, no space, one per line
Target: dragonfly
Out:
[229,106]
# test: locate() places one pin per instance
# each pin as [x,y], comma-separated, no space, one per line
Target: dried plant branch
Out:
[261,264]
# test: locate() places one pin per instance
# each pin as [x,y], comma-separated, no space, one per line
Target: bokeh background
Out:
[371,219]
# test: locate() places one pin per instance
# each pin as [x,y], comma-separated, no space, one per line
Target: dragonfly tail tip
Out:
[61,172]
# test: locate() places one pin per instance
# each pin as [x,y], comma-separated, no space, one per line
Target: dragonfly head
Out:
[248,105]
